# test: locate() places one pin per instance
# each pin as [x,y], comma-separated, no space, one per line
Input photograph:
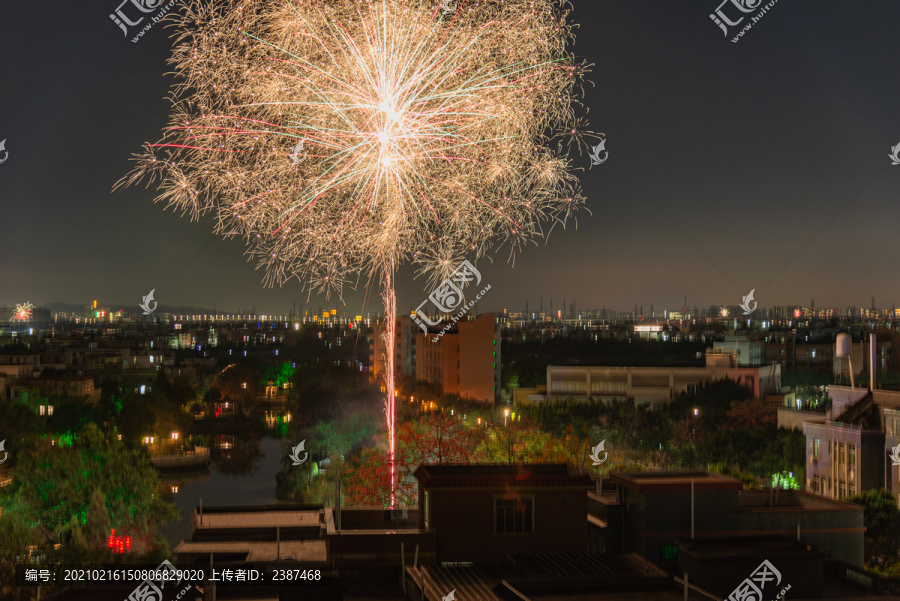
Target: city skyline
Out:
[732,166]
[550,310]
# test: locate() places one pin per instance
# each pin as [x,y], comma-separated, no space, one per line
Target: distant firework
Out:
[23,312]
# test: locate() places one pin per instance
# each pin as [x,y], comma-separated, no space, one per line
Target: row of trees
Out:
[688,433]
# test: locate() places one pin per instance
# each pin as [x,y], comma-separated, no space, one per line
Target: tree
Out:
[16,537]
[751,413]
[90,487]
[882,519]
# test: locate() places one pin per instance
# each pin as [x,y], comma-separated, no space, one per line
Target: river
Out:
[218,487]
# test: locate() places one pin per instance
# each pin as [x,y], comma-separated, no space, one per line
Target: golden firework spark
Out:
[344,138]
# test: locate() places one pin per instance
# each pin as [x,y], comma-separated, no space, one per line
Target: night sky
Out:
[759,164]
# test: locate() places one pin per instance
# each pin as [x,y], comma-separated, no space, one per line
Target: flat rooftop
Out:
[663,480]
[478,476]
[739,546]
[259,519]
[257,551]
[782,500]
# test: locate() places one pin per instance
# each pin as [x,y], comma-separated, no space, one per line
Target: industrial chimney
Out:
[873,353]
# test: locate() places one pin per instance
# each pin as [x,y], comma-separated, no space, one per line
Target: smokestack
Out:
[873,351]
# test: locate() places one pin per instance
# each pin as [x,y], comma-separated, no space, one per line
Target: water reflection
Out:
[218,487]
[236,455]
[245,456]
[277,423]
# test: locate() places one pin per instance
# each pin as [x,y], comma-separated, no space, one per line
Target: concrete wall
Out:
[721,574]
[793,420]
[659,518]
[477,363]
[464,522]
[838,532]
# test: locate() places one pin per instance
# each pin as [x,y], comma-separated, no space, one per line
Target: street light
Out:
[505,415]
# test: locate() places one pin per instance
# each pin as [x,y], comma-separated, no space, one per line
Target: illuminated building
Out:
[404,349]
[657,385]
[464,362]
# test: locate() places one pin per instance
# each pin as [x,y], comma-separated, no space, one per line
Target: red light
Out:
[118,544]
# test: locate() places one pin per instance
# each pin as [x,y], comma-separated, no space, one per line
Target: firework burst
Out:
[342,139]
[23,312]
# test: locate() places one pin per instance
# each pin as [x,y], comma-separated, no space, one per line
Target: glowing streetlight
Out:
[505,415]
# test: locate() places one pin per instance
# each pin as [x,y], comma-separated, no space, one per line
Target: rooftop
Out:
[478,476]
[770,546]
[551,576]
[676,480]
[256,551]
[261,519]
[780,500]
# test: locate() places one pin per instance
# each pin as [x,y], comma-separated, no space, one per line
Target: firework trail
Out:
[343,138]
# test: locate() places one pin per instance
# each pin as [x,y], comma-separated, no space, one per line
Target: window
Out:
[816,442]
[427,510]
[851,452]
[514,516]
[669,552]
